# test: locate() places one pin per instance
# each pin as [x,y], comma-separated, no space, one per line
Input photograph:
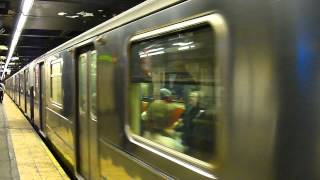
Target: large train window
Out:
[55,81]
[173,90]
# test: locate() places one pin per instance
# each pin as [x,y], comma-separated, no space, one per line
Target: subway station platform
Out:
[23,154]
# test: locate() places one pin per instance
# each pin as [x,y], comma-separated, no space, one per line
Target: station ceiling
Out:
[51,23]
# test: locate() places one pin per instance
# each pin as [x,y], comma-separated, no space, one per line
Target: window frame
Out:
[219,28]
[53,102]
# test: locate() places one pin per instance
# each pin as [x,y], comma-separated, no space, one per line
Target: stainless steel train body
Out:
[83,95]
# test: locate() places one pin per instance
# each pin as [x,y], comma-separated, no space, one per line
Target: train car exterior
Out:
[183,89]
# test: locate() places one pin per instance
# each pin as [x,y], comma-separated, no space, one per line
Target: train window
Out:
[55,81]
[173,89]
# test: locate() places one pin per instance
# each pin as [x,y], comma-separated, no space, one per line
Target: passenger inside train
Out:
[159,122]
[196,126]
[174,83]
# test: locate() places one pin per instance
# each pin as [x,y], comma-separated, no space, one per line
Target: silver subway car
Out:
[183,89]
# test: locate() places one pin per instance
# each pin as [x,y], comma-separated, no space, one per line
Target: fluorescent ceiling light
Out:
[183,48]
[75,16]
[182,43]
[3,47]
[25,8]
[2,58]
[85,14]
[21,23]
[62,13]
[154,50]
[156,53]
[14,58]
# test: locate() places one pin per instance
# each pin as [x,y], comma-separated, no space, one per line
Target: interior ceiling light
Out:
[75,16]
[62,13]
[85,14]
[25,9]
[3,57]
[14,58]
[3,47]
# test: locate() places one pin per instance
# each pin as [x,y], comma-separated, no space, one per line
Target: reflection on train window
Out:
[55,81]
[173,87]
[83,100]
[93,86]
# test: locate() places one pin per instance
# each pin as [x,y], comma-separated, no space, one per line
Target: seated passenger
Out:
[165,96]
[196,126]
[159,127]
[192,110]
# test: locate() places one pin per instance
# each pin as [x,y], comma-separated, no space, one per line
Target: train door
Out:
[22,93]
[18,89]
[87,120]
[42,97]
[31,93]
[36,97]
[27,94]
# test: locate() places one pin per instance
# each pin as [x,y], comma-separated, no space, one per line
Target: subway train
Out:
[183,89]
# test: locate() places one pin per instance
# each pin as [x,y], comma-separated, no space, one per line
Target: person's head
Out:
[194,98]
[165,94]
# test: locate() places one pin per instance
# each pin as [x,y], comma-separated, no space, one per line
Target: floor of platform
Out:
[23,154]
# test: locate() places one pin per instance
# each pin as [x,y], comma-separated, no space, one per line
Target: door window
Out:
[55,81]
[93,85]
